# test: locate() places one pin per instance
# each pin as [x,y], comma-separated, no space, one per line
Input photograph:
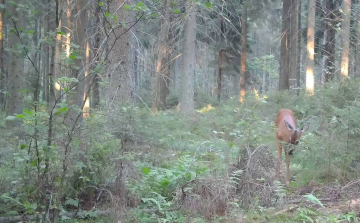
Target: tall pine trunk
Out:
[310,48]
[329,54]
[284,47]
[345,37]
[16,63]
[243,52]
[187,88]
[2,70]
[294,43]
[162,71]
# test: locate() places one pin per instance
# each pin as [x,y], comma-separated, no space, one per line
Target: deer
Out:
[287,135]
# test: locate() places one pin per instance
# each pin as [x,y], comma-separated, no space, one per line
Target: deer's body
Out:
[288,135]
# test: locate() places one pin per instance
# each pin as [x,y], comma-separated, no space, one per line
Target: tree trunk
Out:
[345,37]
[57,68]
[284,47]
[187,88]
[16,65]
[243,52]
[299,50]
[121,86]
[76,96]
[2,70]
[357,64]
[329,62]
[220,60]
[294,44]
[162,72]
[310,48]
[88,79]
[96,88]
[46,55]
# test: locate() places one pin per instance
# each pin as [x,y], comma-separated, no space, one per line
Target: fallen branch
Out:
[302,199]
[289,209]
[13,219]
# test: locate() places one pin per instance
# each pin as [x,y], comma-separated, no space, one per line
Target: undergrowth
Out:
[215,165]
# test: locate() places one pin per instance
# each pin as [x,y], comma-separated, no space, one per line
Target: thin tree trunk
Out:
[345,37]
[96,86]
[329,65]
[77,95]
[294,44]
[357,64]
[16,65]
[299,49]
[46,56]
[284,47]
[187,88]
[86,108]
[310,48]
[243,52]
[2,70]
[57,68]
[161,72]
[220,60]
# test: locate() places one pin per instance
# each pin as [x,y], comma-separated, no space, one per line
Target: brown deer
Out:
[286,131]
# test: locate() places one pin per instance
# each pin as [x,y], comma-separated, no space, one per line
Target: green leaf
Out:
[60,33]
[154,15]
[27,111]
[35,11]
[176,10]
[127,7]
[20,116]
[208,4]
[313,199]
[31,31]
[72,202]
[23,146]
[114,18]
[107,14]
[164,182]
[146,170]
[101,4]
[33,163]
[10,118]
[140,4]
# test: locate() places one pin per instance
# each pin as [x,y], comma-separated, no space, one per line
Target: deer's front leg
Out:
[287,160]
[278,166]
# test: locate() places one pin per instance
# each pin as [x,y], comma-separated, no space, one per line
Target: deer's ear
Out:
[288,126]
[305,128]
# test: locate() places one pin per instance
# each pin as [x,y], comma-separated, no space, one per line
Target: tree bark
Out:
[220,60]
[345,37]
[120,76]
[294,44]
[96,86]
[187,88]
[243,53]
[56,62]
[16,64]
[2,70]
[357,64]
[76,96]
[299,50]
[284,48]
[330,41]
[46,55]
[310,48]
[162,72]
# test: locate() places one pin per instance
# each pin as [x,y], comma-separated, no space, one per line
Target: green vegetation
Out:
[217,165]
